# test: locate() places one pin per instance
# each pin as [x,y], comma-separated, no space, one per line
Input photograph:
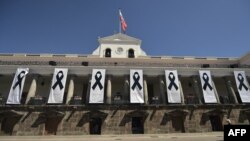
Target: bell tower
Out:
[119,46]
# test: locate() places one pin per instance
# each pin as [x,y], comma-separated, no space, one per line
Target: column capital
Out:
[160,76]
[36,76]
[109,76]
[72,76]
[126,77]
[194,76]
[145,76]
[227,77]
[161,80]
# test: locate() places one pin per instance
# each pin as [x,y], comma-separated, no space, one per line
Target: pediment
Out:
[120,37]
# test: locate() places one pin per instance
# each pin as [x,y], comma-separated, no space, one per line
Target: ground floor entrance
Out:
[51,125]
[216,122]
[95,126]
[178,123]
[137,125]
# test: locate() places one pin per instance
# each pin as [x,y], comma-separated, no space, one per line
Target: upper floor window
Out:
[131,53]
[108,52]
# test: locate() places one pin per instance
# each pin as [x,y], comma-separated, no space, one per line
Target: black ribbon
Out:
[59,77]
[206,80]
[98,77]
[19,80]
[171,78]
[241,80]
[136,78]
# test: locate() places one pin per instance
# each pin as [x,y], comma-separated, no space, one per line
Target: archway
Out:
[137,125]
[108,52]
[131,53]
[95,126]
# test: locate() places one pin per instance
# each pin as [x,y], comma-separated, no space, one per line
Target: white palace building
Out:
[119,89]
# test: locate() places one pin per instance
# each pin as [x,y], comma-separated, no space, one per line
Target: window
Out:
[131,53]
[108,52]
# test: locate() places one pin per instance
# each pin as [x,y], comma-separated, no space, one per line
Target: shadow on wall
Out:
[89,115]
[51,119]
[177,117]
[244,115]
[215,117]
[128,116]
[8,121]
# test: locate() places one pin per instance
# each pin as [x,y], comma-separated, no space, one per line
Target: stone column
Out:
[145,86]
[70,89]
[32,90]
[182,94]
[231,90]
[196,89]
[215,91]
[162,90]
[109,90]
[126,95]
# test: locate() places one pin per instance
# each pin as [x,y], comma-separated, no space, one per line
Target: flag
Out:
[123,22]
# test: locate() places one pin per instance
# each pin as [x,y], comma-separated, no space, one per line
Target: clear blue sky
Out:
[218,28]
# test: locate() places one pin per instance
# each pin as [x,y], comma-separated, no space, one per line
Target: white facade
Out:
[119,45]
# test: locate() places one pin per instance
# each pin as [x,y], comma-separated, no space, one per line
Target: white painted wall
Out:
[116,54]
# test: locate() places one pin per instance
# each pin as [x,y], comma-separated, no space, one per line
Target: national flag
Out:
[123,22]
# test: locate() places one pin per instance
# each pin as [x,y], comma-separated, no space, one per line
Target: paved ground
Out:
[211,136]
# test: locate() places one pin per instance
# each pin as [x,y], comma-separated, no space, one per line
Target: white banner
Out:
[16,89]
[97,86]
[207,87]
[242,86]
[58,85]
[173,88]
[136,86]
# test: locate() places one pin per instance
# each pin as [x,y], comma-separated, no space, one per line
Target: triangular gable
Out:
[119,37]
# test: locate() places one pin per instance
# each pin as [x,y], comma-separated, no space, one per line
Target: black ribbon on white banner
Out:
[98,77]
[59,77]
[19,80]
[241,80]
[136,78]
[171,78]
[206,80]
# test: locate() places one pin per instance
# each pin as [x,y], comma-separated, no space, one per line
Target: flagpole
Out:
[119,21]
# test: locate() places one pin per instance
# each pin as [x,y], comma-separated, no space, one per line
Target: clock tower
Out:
[119,46]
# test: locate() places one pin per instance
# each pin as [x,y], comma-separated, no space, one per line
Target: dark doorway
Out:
[137,125]
[108,52]
[178,123]
[51,125]
[131,53]
[216,122]
[95,126]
